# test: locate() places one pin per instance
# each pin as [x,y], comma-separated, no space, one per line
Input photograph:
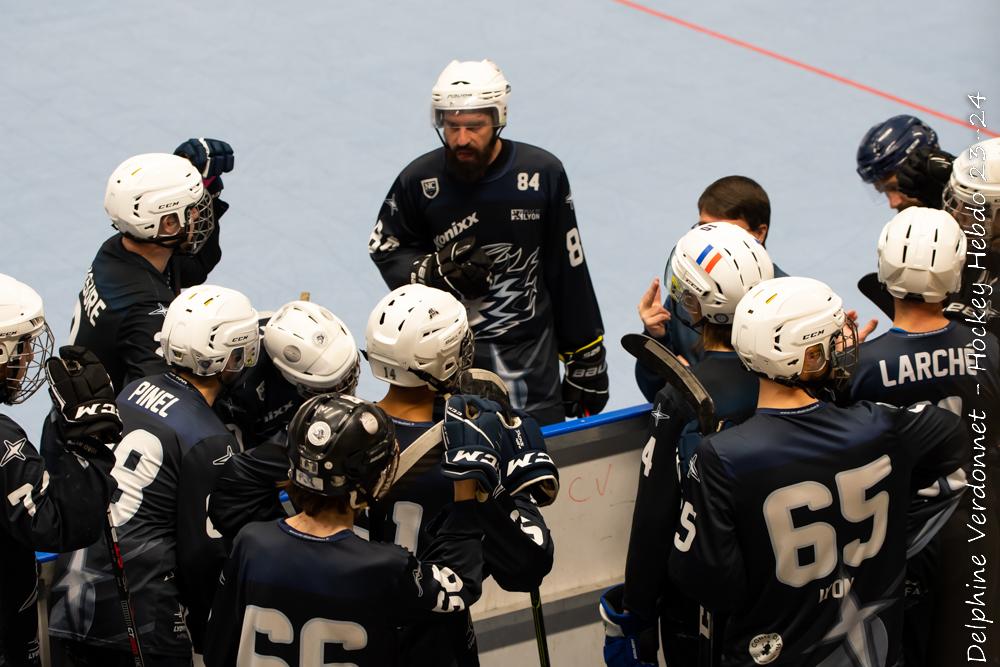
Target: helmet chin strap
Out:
[440,386]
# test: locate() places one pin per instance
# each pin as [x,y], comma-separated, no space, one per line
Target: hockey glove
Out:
[628,640]
[472,435]
[459,267]
[526,465]
[84,400]
[211,157]
[924,174]
[585,382]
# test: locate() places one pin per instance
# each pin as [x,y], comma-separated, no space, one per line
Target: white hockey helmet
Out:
[920,254]
[785,327]
[713,266]
[313,349]
[209,329]
[470,85]
[972,195]
[418,335]
[25,340]
[144,189]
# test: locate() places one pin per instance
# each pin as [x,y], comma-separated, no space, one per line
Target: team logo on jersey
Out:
[261,387]
[391,203]
[657,415]
[221,461]
[569,201]
[693,469]
[525,214]
[766,648]
[160,309]
[418,576]
[13,451]
[430,187]
[455,229]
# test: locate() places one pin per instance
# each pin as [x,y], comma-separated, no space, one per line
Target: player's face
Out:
[889,186]
[471,143]
[760,233]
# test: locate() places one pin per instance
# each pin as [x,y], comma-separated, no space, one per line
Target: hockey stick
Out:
[869,286]
[540,636]
[118,569]
[655,357]
[651,354]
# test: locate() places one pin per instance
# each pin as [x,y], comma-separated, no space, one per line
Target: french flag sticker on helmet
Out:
[712,260]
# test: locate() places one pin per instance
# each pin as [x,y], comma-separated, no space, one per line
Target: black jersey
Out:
[259,404]
[541,301]
[50,511]
[796,524]
[124,300]
[339,599]
[173,448]
[657,503]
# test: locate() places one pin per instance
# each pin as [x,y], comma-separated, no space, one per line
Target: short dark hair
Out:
[737,197]
[313,503]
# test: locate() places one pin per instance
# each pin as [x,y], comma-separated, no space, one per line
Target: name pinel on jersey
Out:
[152,398]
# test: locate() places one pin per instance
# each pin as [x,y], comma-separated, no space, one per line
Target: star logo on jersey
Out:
[391,203]
[430,187]
[569,201]
[260,391]
[657,415]
[160,309]
[693,469]
[860,631]
[13,451]
[418,576]
[221,461]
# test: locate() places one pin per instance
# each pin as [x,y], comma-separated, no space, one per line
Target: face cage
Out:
[840,365]
[348,385]
[23,381]
[965,214]
[199,225]
[388,476]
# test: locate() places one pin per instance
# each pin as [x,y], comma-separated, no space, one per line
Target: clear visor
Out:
[471,118]
[25,368]
[347,385]
[688,306]
[242,357]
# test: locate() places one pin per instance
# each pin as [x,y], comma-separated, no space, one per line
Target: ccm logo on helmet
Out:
[240,339]
[170,205]
[4,334]
[814,334]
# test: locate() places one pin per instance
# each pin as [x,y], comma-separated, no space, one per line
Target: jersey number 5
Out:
[820,538]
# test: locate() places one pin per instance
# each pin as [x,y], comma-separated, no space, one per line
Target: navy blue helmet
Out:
[886,145]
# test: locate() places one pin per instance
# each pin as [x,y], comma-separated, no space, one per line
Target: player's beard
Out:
[470,171]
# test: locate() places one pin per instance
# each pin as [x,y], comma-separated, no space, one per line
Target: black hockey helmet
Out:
[342,446]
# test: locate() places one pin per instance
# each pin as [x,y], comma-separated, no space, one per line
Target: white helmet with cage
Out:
[786,327]
[713,266]
[418,335]
[209,329]
[25,341]
[313,349]
[972,195]
[921,253]
[145,189]
[467,86]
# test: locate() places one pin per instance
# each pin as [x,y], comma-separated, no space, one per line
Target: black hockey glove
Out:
[84,400]
[585,382]
[211,157]
[460,268]
[526,466]
[473,432]
[924,175]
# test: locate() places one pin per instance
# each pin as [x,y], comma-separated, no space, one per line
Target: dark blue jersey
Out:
[311,600]
[541,301]
[657,504]
[795,524]
[173,447]
[57,510]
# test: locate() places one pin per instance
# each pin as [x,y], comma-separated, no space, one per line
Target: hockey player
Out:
[707,286]
[173,448]
[492,221]
[55,510]
[307,590]
[736,200]
[307,351]
[418,340]
[927,358]
[883,151]
[795,522]
[166,210]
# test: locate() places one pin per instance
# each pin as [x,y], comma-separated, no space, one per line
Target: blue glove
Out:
[473,432]
[628,640]
[526,465]
[211,157]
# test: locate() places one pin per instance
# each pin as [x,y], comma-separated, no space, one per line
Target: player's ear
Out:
[761,234]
